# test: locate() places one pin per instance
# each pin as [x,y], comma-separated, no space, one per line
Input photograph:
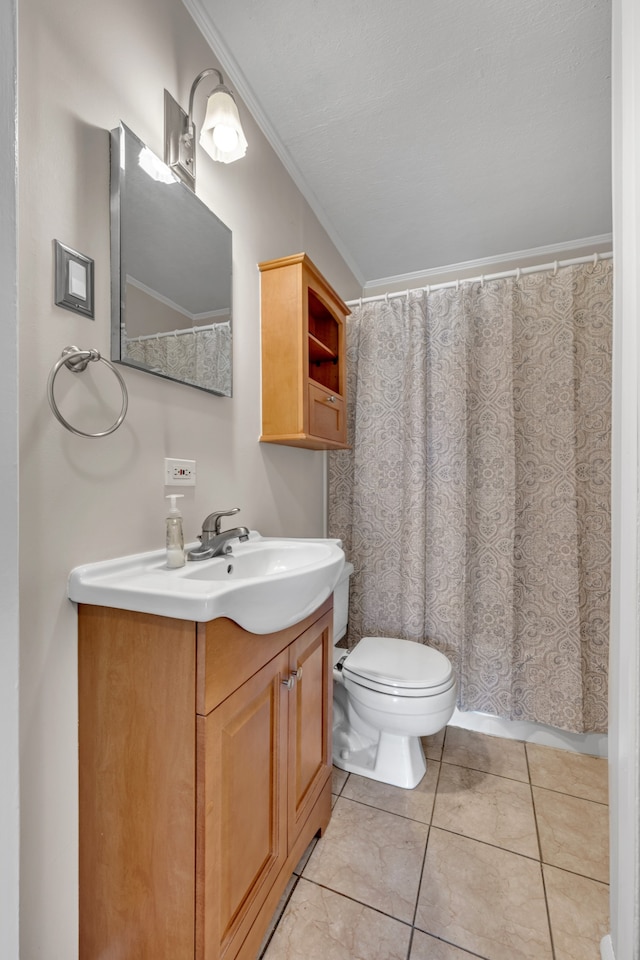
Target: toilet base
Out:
[393,755]
[392,759]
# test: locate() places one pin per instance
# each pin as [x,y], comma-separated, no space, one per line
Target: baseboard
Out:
[606,948]
[594,744]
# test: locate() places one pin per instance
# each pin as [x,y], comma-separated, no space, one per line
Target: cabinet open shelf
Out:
[319,352]
[323,365]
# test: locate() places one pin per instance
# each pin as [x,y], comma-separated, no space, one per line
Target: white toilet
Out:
[387,693]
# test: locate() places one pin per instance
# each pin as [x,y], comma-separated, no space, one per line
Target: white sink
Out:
[265,584]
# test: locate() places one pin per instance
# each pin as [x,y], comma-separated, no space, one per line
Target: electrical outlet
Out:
[179,473]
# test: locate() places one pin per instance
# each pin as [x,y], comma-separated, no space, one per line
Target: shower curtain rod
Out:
[176,333]
[517,273]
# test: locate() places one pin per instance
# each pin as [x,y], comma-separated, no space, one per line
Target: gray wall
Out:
[85,67]
[9,639]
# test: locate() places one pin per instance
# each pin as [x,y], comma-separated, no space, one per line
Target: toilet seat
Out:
[399,668]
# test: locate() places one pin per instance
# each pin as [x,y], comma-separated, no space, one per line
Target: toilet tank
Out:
[341,603]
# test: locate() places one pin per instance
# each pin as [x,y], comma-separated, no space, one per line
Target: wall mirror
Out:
[170,273]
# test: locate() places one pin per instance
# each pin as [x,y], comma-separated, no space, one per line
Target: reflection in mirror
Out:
[170,273]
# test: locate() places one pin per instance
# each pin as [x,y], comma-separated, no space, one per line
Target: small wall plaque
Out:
[74,280]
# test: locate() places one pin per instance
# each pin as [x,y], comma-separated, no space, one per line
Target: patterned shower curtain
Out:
[475,500]
[201,357]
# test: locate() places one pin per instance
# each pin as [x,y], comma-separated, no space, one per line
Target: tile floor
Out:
[501,853]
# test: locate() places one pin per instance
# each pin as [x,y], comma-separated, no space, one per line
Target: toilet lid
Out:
[403,664]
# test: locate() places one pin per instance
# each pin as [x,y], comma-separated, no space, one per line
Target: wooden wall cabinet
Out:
[303,356]
[204,774]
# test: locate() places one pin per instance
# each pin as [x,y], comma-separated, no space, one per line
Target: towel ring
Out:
[76,360]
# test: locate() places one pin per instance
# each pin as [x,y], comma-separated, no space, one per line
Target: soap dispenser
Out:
[175,536]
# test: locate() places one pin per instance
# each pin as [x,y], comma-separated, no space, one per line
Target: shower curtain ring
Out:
[595,259]
[517,274]
[555,267]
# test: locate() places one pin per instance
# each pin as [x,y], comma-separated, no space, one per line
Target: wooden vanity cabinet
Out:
[303,356]
[204,774]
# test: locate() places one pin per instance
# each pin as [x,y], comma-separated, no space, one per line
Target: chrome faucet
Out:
[214,541]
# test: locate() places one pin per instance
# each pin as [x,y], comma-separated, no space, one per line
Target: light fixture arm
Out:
[201,76]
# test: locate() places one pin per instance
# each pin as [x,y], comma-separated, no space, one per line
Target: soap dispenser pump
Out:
[175,536]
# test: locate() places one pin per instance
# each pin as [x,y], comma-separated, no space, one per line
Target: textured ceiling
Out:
[430,132]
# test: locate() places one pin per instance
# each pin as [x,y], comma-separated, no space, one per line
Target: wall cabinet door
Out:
[241,808]
[310,704]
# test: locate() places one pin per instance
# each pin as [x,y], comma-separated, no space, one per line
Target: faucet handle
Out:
[214,519]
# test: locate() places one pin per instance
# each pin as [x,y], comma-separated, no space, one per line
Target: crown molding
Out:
[552,251]
[238,80]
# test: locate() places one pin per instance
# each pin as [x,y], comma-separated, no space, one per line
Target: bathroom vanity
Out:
[204,774]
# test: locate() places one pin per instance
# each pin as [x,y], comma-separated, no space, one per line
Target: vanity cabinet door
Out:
[310,706]
[241,835]
[137,778]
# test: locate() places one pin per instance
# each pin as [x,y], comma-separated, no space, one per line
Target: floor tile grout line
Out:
[546,904]
[544,885]
[563,793]
[548,863]
[533,806]
[487,843]
[406,923]
[394,813]
[426,847]
[492,773]
[282,913]
[430,823]
[424,863]
[361,903]
[346,779]
[516,853]
[450,943]
[566,793]
[410,947]
[489,773]
[502,776]
[573,873]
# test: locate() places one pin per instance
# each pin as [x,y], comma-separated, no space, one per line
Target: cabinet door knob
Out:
[297,673]
[289,682]
[331,399]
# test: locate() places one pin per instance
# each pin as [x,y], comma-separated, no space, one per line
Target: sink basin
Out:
[265,584]
[257,559]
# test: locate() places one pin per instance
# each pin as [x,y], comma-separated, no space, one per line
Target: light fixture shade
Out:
[222,135]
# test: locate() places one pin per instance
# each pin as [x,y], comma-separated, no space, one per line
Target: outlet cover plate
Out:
[179,473]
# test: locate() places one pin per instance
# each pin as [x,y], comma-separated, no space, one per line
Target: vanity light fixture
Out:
[221,136]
